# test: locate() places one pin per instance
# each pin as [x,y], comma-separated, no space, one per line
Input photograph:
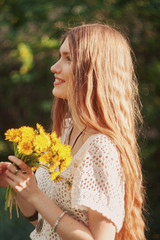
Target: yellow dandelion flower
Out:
[53,166]
[57,179]
[13,135]
[54,163]
[53,135]
[64,151]
[28,133]
[64,164]
[40,128]
[67,161]
[54,159]
[54,175]
[55,148]
[45,158]
[55,140]
[61,168]
[42,143]
[25,147]
[34,168]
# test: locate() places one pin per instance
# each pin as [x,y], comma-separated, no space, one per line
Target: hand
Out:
[3,177]
[21,179]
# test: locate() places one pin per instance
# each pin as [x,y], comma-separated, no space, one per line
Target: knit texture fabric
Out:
[97,181]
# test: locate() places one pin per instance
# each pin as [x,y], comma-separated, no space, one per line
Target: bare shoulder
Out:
[88,133]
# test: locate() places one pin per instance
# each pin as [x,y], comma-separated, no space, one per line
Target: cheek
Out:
[68,75]
[61,91]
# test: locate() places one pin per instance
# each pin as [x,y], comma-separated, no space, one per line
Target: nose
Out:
[55,68]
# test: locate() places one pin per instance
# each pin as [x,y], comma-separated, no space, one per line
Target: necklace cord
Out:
[69,138]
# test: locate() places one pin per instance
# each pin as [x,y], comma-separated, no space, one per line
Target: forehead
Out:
[65,47]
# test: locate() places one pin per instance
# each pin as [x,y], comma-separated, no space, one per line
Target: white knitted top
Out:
[97,183]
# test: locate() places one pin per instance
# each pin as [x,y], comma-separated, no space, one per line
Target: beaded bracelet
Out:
[58,220]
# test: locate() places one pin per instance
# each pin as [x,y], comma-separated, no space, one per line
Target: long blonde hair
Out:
[104,96]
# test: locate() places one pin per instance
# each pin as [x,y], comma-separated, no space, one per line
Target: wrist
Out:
[31,218]
[35,197]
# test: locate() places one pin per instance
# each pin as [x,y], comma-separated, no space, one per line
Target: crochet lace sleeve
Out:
[99,181]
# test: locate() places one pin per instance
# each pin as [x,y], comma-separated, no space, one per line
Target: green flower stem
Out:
[8,197]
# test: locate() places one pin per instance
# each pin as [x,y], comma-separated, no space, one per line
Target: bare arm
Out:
[101,227]
[26,208]
[68,228]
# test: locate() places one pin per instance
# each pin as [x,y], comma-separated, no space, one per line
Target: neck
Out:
[78,126]
[75,133]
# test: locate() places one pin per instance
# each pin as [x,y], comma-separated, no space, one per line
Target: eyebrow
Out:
[64,53]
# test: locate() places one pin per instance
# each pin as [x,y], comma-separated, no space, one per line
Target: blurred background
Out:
[30,34]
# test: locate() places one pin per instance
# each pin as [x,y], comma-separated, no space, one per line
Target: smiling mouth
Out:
[58,81]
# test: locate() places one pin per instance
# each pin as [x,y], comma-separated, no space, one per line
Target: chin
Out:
[59,94]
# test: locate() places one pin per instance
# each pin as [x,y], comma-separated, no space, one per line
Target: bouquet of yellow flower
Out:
[37,148]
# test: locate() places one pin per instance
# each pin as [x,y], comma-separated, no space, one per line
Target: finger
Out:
[19,163]
[12,169]
[16,178]
[11,175]
[12,183]
[3,165]
[18,182]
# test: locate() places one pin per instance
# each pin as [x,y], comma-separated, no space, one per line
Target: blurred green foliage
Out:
[29,38]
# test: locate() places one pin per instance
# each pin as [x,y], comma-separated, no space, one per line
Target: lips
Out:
[58,81]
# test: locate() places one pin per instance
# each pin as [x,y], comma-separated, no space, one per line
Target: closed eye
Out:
[68,58]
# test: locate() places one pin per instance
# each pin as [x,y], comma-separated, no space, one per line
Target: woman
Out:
[96,112]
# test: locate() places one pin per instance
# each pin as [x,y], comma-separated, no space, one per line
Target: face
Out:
[62,72]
